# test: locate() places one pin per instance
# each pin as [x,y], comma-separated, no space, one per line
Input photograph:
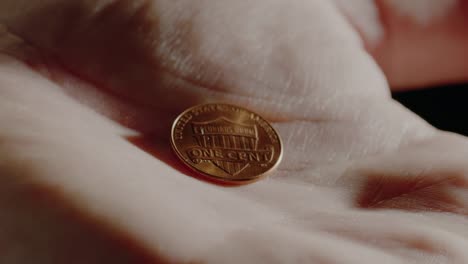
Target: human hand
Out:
[88,91]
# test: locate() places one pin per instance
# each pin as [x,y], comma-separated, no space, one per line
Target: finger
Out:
[416,43]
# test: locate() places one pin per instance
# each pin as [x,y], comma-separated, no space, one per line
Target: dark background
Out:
[444,107]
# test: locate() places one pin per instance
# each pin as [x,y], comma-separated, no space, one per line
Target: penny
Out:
[226,143]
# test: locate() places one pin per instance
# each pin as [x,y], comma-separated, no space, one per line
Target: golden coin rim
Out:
[224,180]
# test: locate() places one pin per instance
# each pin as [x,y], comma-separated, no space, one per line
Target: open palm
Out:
[88,92]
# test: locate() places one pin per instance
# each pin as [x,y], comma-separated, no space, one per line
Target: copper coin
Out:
[226,143]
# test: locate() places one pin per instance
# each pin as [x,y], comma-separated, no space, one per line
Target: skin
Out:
[89,89]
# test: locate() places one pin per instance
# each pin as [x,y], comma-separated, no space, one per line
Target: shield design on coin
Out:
[227,137]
